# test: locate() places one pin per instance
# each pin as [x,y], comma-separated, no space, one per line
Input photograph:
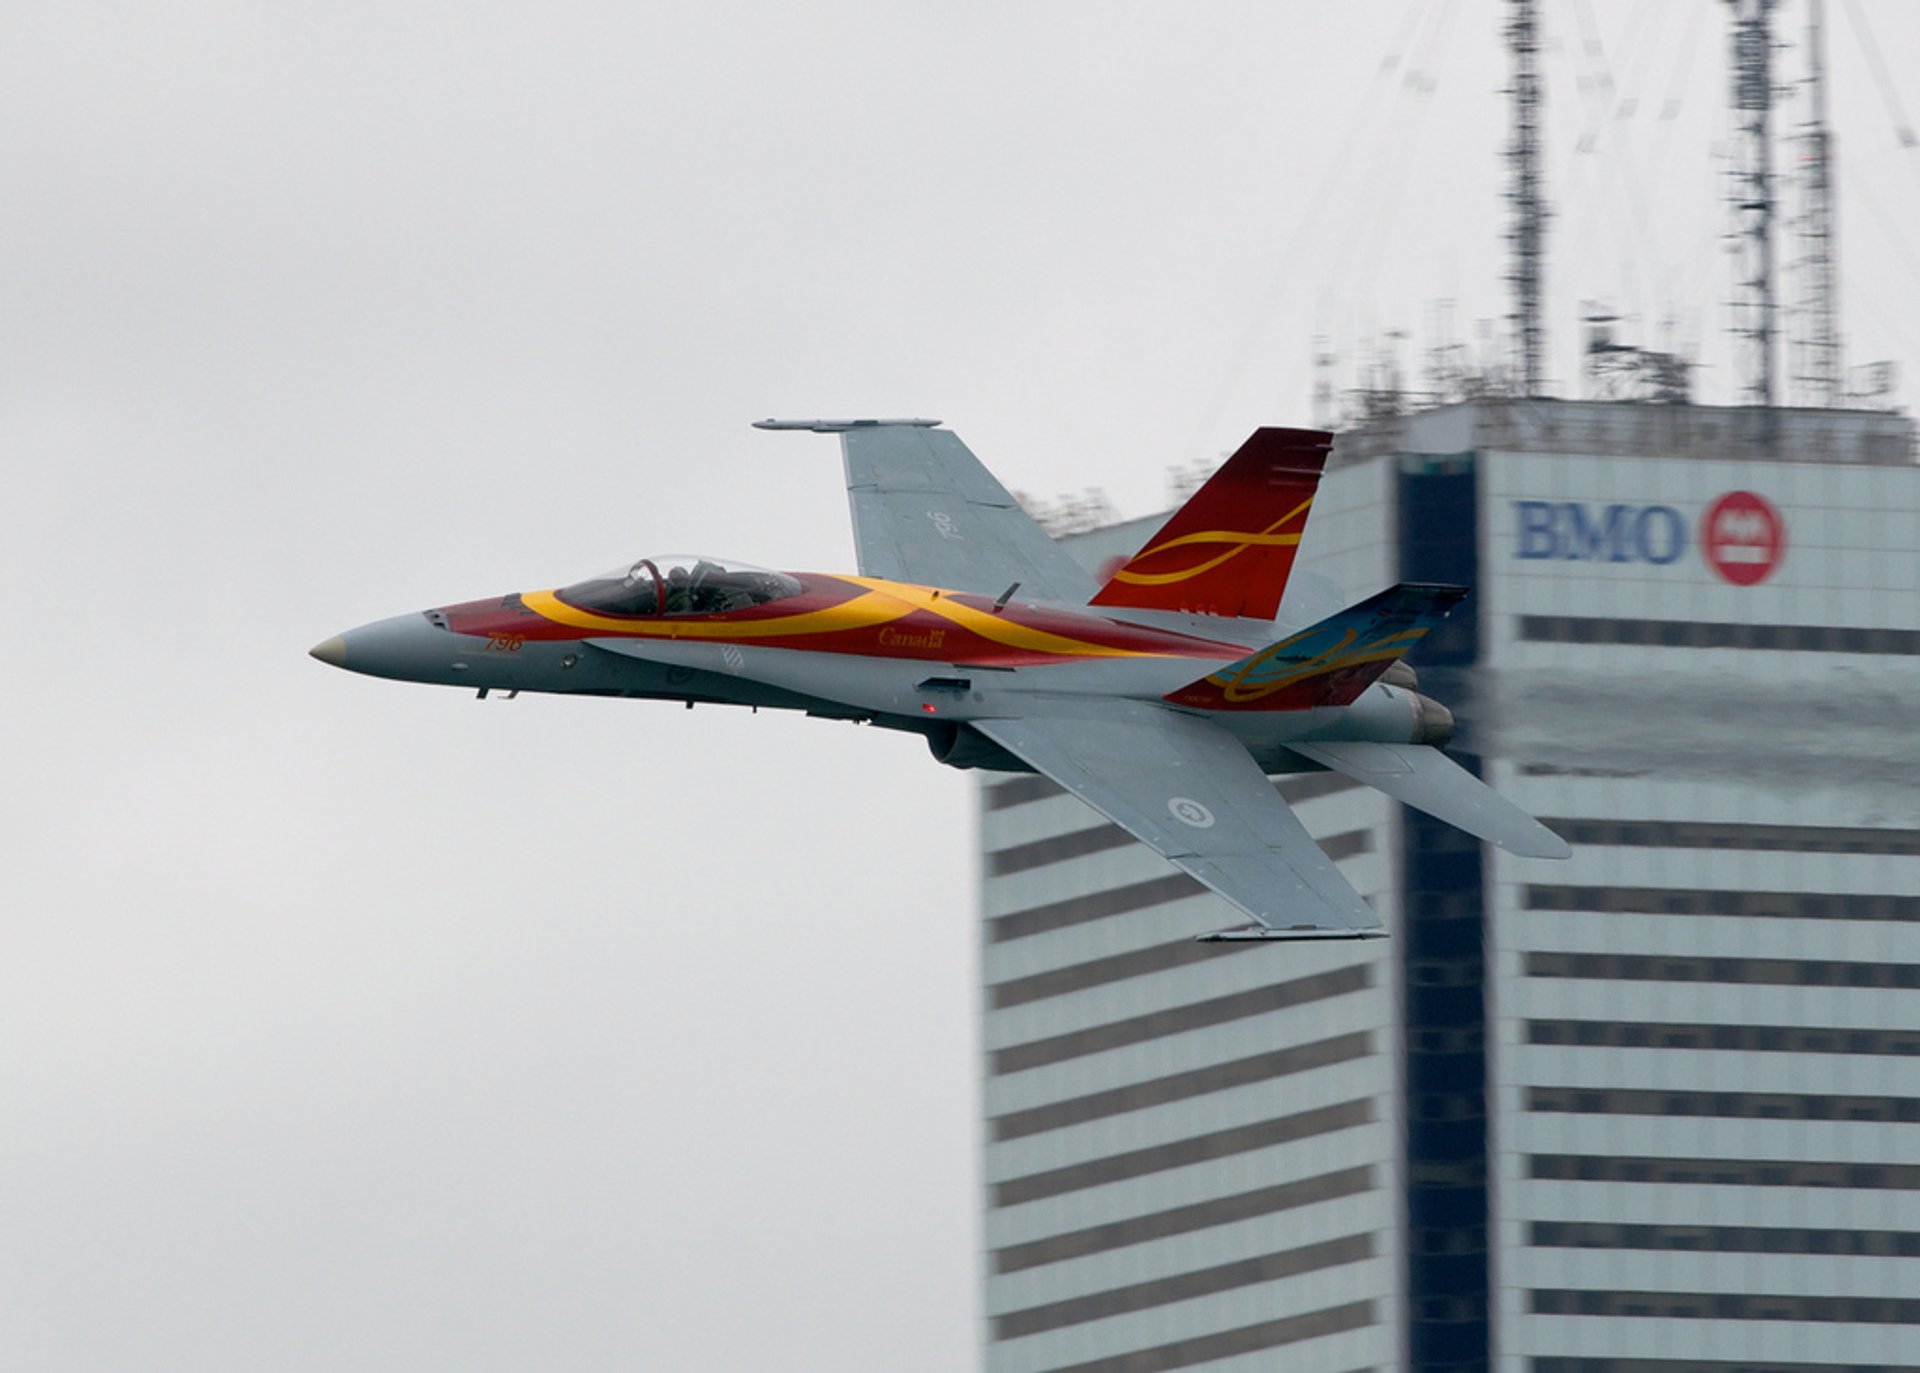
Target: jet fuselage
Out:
[1162,698]
[907,657]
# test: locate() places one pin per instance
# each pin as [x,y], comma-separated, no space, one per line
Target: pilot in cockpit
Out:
[679,597]
[679,586]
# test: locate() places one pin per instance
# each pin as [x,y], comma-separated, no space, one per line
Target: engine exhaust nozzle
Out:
[1432,722]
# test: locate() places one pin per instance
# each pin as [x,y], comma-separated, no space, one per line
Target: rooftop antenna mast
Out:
[1753,198]
[1529,208]
[1819,354]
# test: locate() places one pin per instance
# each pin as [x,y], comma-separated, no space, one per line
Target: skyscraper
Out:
[1654,1108]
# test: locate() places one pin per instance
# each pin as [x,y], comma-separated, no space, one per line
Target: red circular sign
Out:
[1743,537]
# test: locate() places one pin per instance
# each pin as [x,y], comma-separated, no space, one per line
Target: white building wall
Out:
[1188,1148]
[1703,1140]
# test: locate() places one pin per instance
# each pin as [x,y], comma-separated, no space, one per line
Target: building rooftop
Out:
[1639,428]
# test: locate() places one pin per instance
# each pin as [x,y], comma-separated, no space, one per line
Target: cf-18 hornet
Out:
[1163,698]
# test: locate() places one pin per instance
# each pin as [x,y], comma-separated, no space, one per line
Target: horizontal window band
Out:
[1786,1039]
[1090,906]
[1183,1220]
[1771,972]
[1726,1306]
[1183,1153]
[1225,1344]
[1725,1172]
[1723,1105]
[1135,896]
[1179,1287]
[1098,972]
[1220,1010]
[1183,1086]
[1592,629]
[1701,834]
[1020,790]
[1724,1239]
[1060,848]
[1457,1175]
[1786,905]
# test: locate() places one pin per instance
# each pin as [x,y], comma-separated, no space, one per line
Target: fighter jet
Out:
[1163,698]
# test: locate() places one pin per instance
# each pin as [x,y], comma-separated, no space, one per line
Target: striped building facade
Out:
[1192,1152]
[1655,1108]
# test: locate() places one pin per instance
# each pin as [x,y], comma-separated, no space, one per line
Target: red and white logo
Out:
[1743,538]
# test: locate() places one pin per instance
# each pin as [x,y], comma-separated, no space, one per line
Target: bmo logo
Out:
[1741,535]
[1601,534]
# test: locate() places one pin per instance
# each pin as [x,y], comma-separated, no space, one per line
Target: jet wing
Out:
[925,510]
[1190,791]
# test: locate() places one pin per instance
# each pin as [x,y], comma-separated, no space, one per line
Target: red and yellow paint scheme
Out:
[1230,550]
[865,617]
[1330,663]
[1159,698]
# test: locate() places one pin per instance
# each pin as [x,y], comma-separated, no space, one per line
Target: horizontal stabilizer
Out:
[1230,549]
[1330,663]
[1429,781]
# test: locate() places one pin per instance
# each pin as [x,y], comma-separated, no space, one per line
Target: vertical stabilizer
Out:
[1230,548]
[1329,663]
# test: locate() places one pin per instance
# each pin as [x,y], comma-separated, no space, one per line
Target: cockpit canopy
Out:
[679,584]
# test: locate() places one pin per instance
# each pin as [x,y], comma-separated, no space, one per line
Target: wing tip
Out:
[1258,933]
[842,426]
[1544,844]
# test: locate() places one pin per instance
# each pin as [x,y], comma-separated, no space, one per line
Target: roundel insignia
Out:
[1190,812]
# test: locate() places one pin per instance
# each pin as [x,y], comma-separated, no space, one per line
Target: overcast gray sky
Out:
[354,1024]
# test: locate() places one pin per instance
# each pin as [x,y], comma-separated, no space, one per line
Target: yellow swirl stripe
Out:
[1392,648]
[1241,543]
[859,613]
[999,628]
[1314,670]
[1240,540]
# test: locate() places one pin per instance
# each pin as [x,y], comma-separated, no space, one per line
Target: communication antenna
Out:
[1523,194]
[1323,404]
[1818,353]
[1753,198]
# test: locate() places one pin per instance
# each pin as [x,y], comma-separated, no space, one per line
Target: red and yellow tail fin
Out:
[1330,663]
[1230,548]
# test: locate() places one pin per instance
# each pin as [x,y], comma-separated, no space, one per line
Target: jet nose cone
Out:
[407,648]
[332,652]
